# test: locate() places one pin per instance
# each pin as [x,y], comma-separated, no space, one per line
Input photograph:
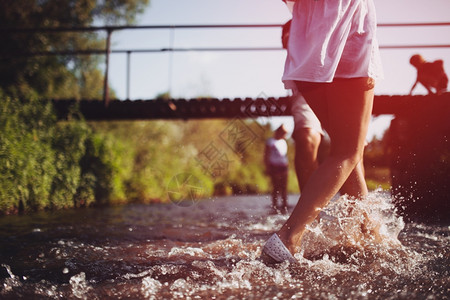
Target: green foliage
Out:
[101,170]
[376,164]
[155,152]
[26,156]
[45,164]
[57,76]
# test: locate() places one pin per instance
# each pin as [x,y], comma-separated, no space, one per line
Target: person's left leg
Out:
[355,185]
[347,106]
[307,141]
[273,180]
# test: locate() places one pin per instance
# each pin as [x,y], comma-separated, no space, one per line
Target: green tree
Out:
[56,76]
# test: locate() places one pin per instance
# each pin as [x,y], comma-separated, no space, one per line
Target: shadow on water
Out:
[211,250]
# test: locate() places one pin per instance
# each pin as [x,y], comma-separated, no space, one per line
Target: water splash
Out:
[79,286]
[354,224]
[359,237]
[349,240]
[8,269]
[150,288]
[10,283]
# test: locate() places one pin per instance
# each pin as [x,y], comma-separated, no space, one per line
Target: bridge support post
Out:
[105,82]
[419,154]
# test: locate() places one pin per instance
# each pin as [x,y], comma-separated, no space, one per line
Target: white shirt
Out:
[332,39]
[277,152]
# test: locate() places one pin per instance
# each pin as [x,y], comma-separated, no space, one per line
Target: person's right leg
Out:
[344,107]
[283,187]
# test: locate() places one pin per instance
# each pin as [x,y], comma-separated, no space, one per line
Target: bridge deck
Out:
[208,108]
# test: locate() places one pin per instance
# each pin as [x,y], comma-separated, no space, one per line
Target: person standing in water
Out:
[276,162]
[333,60]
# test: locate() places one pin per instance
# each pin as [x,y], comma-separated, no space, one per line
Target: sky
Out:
[253,74]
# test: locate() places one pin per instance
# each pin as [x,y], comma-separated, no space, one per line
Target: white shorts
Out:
[303,115]
[332,39]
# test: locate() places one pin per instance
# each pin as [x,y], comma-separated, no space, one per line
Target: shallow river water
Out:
[210,250]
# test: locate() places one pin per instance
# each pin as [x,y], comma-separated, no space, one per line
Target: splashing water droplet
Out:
[79,285]
[150,287]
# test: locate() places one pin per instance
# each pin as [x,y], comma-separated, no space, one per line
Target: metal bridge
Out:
[182,103]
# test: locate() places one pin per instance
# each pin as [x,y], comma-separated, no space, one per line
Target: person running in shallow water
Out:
[333,60]
[276,162]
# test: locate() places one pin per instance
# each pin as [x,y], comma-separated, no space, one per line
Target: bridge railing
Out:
[109,30]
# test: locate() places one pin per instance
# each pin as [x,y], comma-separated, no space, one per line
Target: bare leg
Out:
[344,107]
[307,143]
[355,185]
[274,191]
[284,180]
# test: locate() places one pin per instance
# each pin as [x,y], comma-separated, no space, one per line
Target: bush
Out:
[26,157]
[45,164]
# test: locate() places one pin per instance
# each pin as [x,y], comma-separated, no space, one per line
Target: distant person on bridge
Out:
[430,74]
[333,60]
[276,163]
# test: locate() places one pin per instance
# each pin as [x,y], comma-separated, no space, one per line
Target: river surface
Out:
[210,250]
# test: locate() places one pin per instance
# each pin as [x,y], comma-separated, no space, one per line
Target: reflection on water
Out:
[210,250]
